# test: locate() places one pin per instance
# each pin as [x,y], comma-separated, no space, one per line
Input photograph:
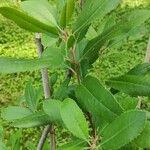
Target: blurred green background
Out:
[16,42]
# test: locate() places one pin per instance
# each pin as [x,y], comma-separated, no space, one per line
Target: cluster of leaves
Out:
[86,105]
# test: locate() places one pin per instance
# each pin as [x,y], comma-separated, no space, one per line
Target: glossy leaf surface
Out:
[25,21]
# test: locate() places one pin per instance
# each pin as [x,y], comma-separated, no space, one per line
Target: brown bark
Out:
[47,94]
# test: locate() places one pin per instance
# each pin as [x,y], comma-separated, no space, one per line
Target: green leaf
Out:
[33,120]
[41,10]
[2,145]
[148,115]
[70,42]
[73,145]
[138,32]
[12,65]
[123,130]
[140,69]
[52,81]
[91,33]
[143,140]
[108,22]
[130,146]
[30,145]
[48,40]
[74,119]
[15,140]
[67,12]
[60,4]
[27,22]
[131,84]
[52,108]
[31,96]
[62,91]
[128,103]
[1,132]
[118,32]
[51,53]
[92,10]
[94,98]
[15,112]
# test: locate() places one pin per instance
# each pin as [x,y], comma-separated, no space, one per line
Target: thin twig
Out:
[43,137]
[47,94]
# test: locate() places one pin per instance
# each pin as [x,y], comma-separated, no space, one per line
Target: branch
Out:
[43,137]
[47,94]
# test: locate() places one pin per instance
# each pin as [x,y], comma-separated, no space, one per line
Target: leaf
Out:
[27,22]
[80,47]
[51,54]
[67,12]
[125,128]
[2,145]
[13,65]
[1,132]
[73,145]
[52,108]
[92,10]
[41,10]
[140,69]
[15,140]
[118,32]
[74,119]
[48,40]
[30,145]
[131,84]
[127,102]
[143,141]
[15,112]
[62,91]
[138,32]
[108,22]
[148,115]
[33,120]
[94,98]
[53,80]
[91,33]
[31,96]
[130,146]
[71,41]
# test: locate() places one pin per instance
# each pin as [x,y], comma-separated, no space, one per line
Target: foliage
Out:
[71,51]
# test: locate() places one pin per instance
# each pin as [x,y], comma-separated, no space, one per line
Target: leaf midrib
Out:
[119,132]
[100,102]
[86,22]
[105,37]
[131,83]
